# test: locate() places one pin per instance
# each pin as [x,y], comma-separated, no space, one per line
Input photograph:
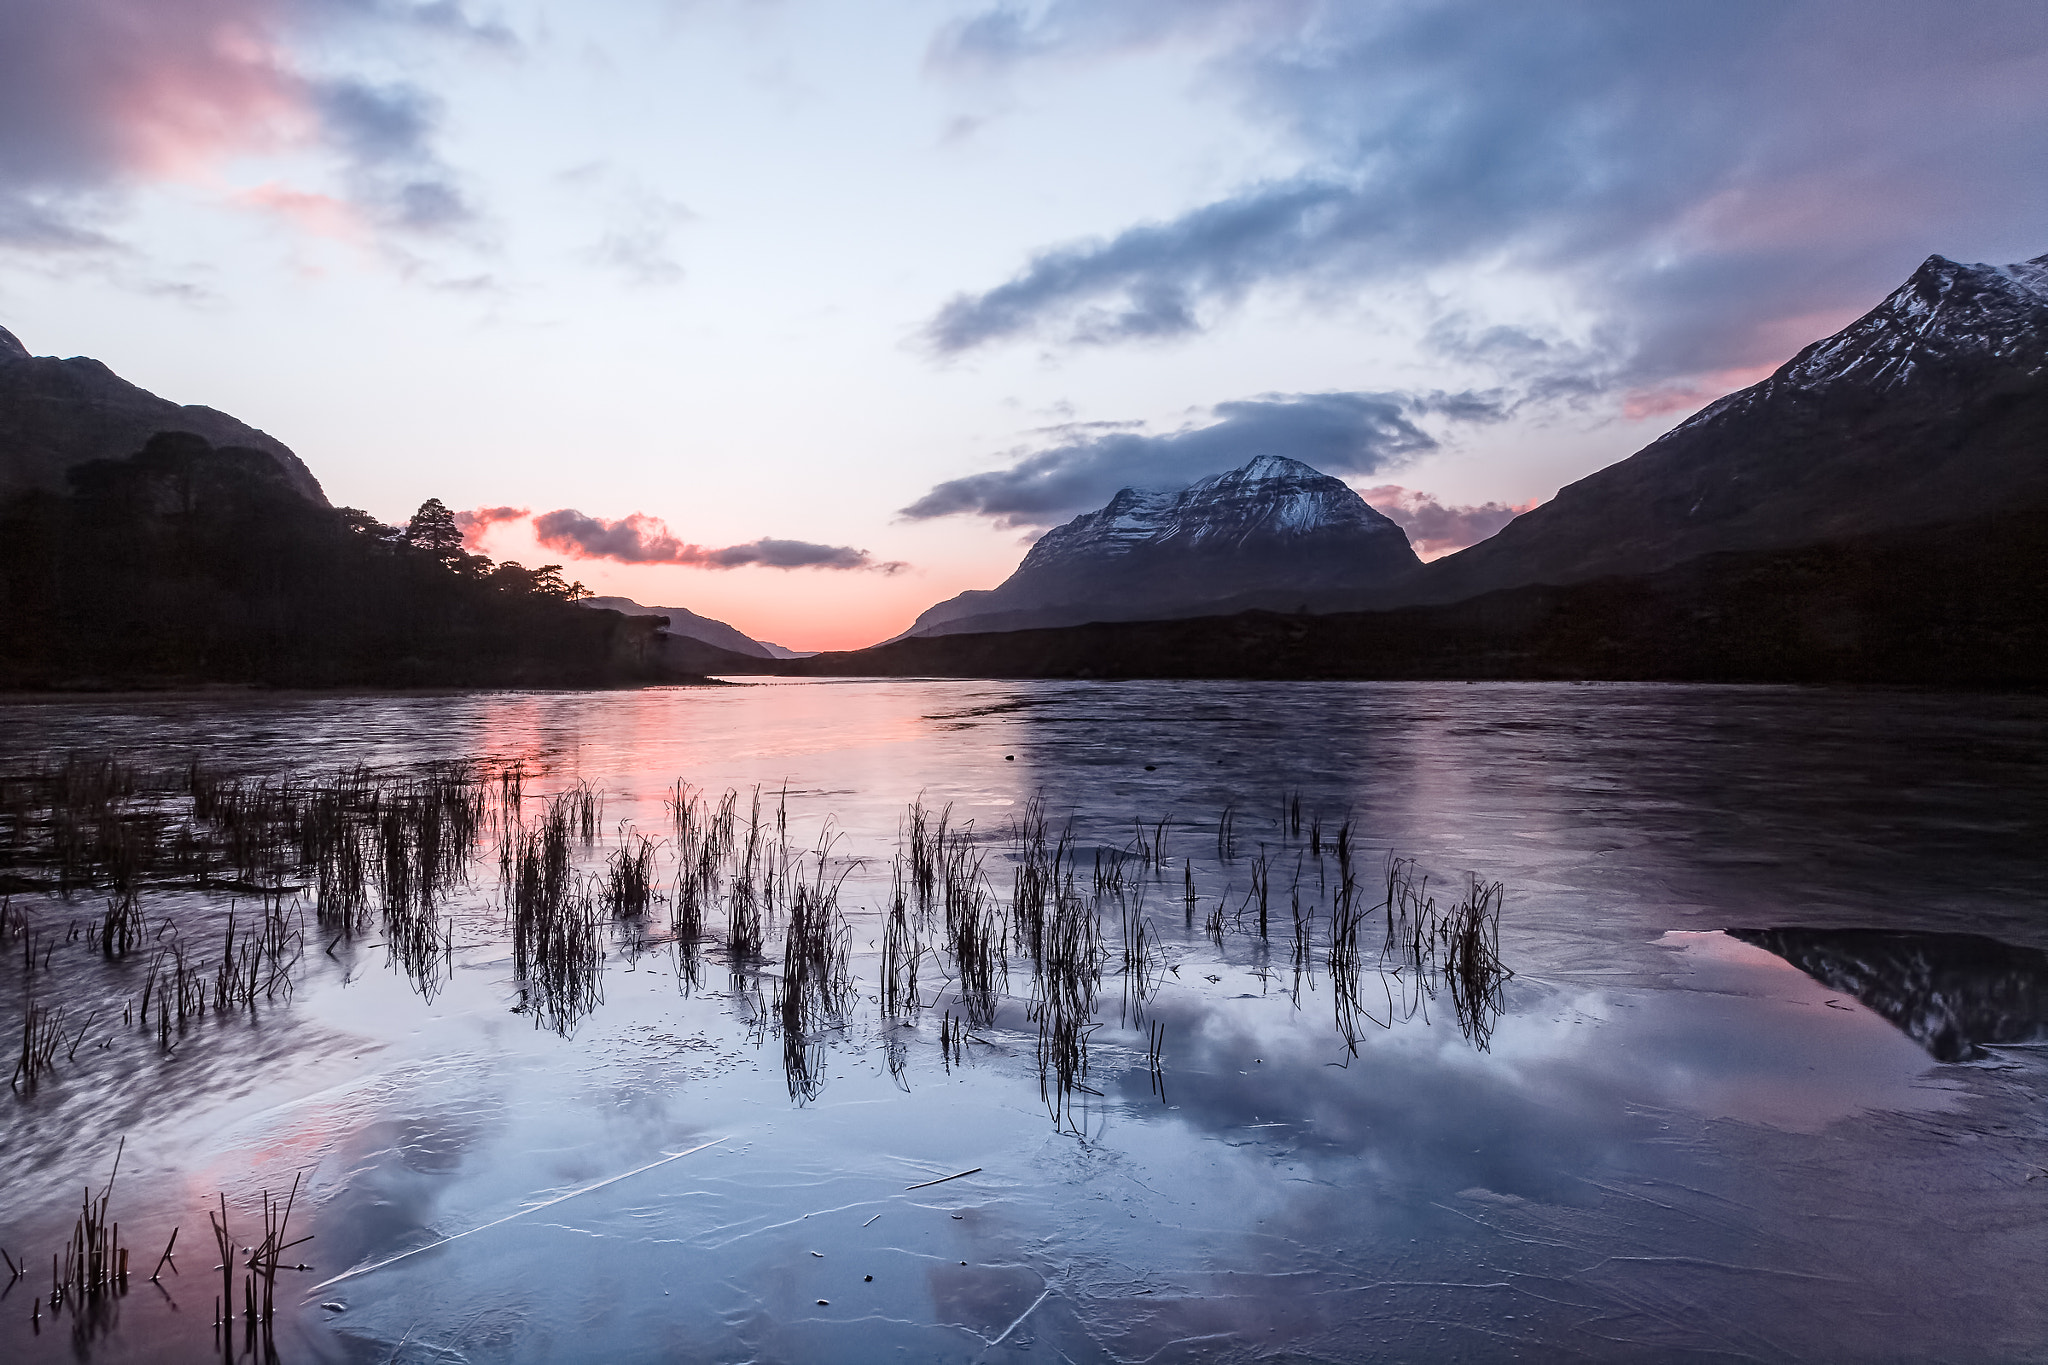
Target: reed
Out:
[1261,891]
[1139,954]
[556,950]
[977,932]
[1469,939]
[816,985]
[1226,836]
[42,1030]
[1044,863]
[95,1264]
[901,951]
[1155,1051]
[121,928]
[629,878]
[1063,1003]
[259,964]
[927,838]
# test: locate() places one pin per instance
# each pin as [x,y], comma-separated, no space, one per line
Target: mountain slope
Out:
[58,414]
[1274,532]
[1932,407]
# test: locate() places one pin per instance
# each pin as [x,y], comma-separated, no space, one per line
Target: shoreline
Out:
[225,691]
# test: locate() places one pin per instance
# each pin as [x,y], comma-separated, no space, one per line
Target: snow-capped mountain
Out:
[1930,408]
[1274,532]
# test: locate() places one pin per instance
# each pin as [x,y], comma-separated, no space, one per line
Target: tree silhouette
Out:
[433,529]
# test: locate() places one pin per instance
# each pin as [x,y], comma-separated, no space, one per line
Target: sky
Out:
[806,316]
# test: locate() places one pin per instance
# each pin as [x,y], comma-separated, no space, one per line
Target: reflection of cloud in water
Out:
[1595,1184]
[1570,1080]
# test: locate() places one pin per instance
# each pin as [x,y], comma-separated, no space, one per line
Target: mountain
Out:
[1876,511]
[1963,604]
[682,621]
[1931,408]
[58,414]
[1273,533]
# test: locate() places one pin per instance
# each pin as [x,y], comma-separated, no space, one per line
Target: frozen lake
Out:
[1665,1134]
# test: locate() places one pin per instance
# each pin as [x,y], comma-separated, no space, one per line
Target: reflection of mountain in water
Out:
[1950,993]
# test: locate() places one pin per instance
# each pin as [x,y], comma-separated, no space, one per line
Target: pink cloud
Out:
[163,88]
[1434,529]
[475,523]
[316,215]
[97,94]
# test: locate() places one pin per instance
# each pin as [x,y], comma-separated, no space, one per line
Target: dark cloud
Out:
[1339,433]
[1715,181]
[796,554]
[1148,281]
[97,96]
[385,132]
[641,539]
[1434,529]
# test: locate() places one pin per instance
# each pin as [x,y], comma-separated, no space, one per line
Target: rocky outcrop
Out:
[57,414]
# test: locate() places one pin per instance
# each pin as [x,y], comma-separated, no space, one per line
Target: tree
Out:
[433,529]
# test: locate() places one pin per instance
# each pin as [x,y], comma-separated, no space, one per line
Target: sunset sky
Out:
[808,315]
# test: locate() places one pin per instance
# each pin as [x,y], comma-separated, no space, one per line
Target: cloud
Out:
[641,539]
[1434,529]
[1339,433]
[385,133]
[99,96]
[475,524]
[1008,34]
[1702,179]
[638,242]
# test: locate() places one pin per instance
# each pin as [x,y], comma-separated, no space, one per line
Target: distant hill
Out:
[683,621]
[1274,532]
[58,414]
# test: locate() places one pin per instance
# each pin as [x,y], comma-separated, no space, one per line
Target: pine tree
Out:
[433,529]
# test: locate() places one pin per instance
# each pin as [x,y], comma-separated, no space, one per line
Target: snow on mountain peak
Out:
[1269,498]
[2030,275]
[1948,314]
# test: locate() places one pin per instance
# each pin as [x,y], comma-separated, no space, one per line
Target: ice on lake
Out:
[1764,1080]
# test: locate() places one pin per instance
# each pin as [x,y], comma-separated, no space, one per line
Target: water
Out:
[1677,1143]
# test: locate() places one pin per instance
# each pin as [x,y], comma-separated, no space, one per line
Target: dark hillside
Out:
[185,563]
